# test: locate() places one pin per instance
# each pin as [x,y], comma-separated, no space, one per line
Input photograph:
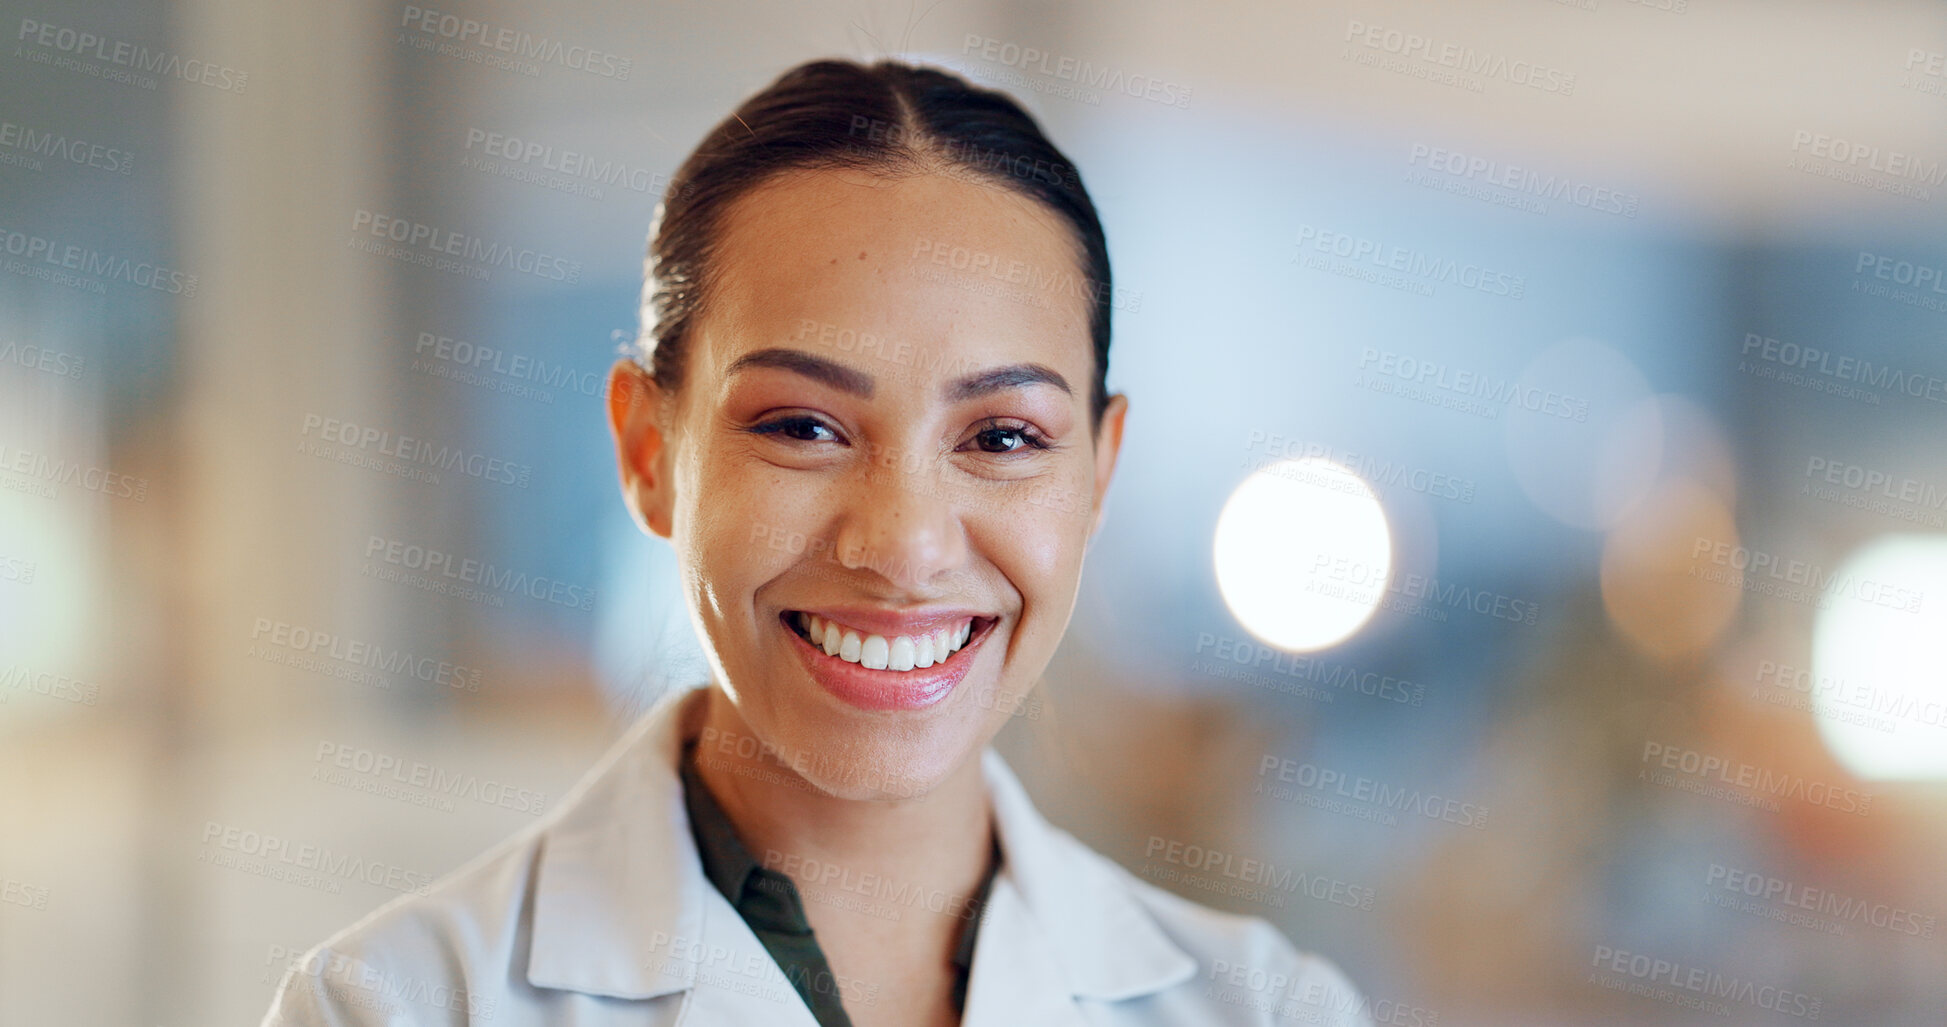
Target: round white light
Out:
[1302,554]
[1879,660]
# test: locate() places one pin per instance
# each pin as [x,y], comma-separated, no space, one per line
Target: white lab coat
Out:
[600,914]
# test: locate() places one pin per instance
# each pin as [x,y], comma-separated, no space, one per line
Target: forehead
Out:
[920,263]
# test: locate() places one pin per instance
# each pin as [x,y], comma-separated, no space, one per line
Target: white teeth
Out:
[880,652]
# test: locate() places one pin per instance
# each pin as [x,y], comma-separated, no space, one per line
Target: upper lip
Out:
[880,621]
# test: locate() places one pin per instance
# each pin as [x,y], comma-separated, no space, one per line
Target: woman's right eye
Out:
[798,427]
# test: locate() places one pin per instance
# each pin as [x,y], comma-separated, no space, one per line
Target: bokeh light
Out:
[1302,553]
[1879,653]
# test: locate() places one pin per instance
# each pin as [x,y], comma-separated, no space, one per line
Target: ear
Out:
[637,407]
[1108,445]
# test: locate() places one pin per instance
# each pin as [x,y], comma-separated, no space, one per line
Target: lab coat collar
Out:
[622,907]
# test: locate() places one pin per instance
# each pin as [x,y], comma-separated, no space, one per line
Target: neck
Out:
[939,842]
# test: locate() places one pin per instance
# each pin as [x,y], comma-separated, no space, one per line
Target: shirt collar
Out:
[728,863]
[620,892]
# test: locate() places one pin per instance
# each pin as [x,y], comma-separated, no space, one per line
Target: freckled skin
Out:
[968,536]
[966,532]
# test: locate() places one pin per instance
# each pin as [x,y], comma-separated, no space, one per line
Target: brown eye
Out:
[1000,440]
[801,429]
[1004,439]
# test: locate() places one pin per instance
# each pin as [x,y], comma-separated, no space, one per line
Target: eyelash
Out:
[1029,436]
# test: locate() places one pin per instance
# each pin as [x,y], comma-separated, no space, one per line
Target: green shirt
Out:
[769,904]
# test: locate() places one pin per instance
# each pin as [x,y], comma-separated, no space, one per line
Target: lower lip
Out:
[870,689]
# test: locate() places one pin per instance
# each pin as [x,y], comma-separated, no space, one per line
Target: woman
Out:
[873,424]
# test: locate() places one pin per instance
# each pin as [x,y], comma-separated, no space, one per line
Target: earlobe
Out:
[634,418]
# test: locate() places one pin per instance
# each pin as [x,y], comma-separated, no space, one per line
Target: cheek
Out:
[1037,543]
[744,523]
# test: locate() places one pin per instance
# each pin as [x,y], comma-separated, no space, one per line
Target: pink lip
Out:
[885,689]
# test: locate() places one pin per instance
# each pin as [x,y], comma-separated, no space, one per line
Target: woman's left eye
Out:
[1004,438]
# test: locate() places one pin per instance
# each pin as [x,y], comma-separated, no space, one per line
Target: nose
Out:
[901,526]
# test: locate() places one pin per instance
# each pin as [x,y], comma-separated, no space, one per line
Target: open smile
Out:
[887,670]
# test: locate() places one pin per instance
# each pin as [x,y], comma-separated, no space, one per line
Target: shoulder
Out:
[433,957]
[1248,972]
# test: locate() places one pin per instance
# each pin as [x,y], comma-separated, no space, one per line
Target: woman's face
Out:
[879,474]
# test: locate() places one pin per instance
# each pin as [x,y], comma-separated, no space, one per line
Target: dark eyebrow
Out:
[1010,377]
[830,372]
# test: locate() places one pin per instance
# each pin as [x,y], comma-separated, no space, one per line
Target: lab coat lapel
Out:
[1079,909]
[737,981]
[1016,979]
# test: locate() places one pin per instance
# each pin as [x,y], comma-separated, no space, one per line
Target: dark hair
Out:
[886,118]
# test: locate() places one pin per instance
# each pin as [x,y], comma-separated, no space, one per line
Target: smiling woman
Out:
[878,306]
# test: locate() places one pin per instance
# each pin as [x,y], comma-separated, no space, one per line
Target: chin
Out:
[851,756]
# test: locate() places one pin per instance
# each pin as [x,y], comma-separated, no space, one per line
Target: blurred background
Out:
[1525,581]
